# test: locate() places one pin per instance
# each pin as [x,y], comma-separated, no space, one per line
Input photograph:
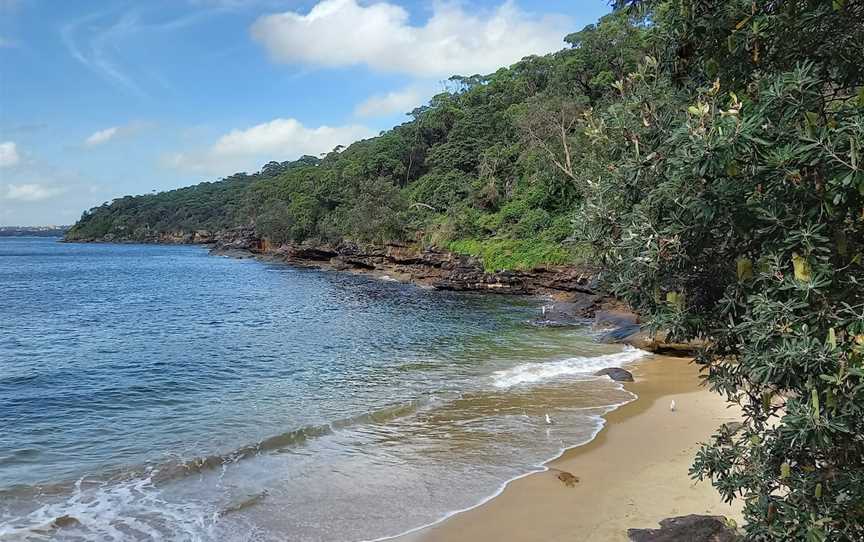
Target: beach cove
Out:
[633,474]
[305,409]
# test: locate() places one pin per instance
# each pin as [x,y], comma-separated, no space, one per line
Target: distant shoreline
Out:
[33,231]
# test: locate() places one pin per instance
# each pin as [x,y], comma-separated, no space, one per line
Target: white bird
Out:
[672,406]
[548,419]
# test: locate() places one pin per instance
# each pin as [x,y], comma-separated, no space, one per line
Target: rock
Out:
[616,373]
[236,253]
[442,270]
[620,324]
[614,318]
[568,313]
[568,479]
[623,334]
[65,521]
[339,264]
[692,528]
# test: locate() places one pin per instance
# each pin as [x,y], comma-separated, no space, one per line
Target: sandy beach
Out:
[632,475]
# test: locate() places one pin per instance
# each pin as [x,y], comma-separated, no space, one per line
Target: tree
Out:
[548,126]
[739,220]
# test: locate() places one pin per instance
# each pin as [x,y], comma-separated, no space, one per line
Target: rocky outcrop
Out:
[411,263]
[693,528]
[616,373]
[237,242]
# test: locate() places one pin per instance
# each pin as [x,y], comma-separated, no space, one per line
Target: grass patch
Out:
[512,254]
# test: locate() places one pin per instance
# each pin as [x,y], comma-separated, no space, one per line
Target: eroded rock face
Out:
[692,528]
[438,269]
[237,241]
[616,373]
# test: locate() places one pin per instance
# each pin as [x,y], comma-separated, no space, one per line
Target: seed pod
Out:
[745,269]
[818,492]
[802,268]
[766,400]
[814,402]
[785,471]
[675,299]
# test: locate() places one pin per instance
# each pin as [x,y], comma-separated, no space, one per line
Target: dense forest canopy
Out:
[707,152]
[488,164]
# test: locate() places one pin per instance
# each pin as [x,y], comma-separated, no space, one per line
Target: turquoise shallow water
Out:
[157,392]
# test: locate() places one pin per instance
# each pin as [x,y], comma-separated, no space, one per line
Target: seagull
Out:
[672,405]
[548,419]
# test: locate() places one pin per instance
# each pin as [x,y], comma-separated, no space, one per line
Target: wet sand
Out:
[632,475]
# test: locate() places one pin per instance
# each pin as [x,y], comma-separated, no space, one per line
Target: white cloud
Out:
[344,33]
[8,154]
[279,139]
[32,192]
[399,101]
[102,136]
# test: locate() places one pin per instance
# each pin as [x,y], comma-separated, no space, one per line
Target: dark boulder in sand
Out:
[617,374]
[692,528]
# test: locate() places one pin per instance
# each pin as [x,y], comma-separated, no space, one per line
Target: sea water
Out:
[160,393]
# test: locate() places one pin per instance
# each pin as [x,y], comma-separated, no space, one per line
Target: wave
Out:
[530,373]
[132,510]
[600,423]
[127,504]
[180,468]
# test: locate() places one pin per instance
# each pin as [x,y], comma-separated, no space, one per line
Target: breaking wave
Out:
[530,373]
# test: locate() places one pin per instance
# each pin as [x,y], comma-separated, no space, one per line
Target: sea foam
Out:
[530,373]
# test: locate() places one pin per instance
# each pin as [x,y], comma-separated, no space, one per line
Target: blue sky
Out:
[99,99]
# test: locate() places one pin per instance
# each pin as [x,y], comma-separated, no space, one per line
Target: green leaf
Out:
[815,534]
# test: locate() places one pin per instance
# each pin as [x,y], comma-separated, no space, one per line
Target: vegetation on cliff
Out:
[490,164]
[707,152]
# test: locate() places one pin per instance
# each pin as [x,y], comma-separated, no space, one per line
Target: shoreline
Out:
[409,535]
[628,477]
[406,262]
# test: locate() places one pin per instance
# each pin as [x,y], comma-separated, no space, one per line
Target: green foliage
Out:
[503,254]
[730,210]
[481,161]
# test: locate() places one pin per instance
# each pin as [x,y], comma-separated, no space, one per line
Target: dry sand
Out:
[634,473]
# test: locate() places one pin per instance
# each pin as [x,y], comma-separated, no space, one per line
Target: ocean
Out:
[159,393]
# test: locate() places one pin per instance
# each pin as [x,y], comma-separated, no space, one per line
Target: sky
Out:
[105,98]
